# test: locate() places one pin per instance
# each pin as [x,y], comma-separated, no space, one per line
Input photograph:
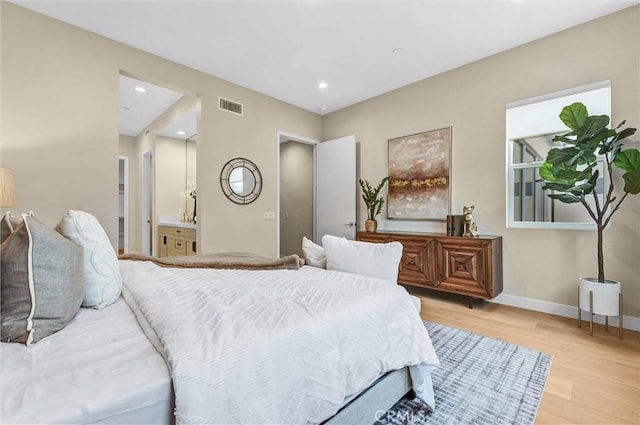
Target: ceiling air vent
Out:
[229,106]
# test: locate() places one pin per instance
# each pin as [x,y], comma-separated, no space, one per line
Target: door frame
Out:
[286,137]
[148,204]
[125,160]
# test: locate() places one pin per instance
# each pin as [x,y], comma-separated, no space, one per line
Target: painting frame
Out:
[420,175]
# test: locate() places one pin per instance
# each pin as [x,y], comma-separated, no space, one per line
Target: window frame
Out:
[597,98]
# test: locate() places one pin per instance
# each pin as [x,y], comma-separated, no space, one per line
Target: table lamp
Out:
[7,188]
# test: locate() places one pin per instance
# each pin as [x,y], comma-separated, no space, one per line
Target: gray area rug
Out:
[480,380]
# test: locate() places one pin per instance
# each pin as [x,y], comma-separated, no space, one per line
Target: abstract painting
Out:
[419,173]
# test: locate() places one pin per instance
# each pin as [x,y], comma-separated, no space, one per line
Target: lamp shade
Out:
[7,188]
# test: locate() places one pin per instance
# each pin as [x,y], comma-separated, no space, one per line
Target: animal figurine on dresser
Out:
[470,227]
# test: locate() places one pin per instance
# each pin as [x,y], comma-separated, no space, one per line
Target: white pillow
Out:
[313,253]
[378,260]
[100,271]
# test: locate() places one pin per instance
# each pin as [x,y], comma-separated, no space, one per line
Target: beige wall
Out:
[60,129]
[539,264]
[59,119]
[192,160]
[296,196]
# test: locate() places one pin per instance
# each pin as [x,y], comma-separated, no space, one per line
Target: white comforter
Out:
[100,368]
[278,346]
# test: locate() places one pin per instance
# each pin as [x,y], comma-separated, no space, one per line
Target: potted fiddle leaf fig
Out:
[571,172]
[373,202]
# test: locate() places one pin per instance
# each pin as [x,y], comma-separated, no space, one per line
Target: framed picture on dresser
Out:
[419,176]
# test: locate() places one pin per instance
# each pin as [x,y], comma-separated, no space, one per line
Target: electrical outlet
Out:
[269,215]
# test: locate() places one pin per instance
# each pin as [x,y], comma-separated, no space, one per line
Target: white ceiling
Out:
[284,49]
[185,124]
[139,109]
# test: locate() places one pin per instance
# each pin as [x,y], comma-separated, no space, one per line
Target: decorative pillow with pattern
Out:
[41,287]
[101,272]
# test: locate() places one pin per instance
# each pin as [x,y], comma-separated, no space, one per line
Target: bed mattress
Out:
[101,368]
[296,343]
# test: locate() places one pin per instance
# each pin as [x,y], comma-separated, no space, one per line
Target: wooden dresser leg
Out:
[471,302]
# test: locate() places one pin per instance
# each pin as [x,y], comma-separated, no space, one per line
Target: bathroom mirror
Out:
[241,181]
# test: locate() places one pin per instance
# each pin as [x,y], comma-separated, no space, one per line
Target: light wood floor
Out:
[593,380]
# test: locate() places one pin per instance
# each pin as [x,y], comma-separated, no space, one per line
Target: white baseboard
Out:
[629,322]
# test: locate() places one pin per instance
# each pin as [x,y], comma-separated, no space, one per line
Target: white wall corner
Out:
[630,322]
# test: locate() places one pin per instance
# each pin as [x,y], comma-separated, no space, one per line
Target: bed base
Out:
[371,404]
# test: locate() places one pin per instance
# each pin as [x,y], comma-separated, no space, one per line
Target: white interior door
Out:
[335,188]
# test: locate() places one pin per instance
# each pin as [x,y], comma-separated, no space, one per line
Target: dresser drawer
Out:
[175,240]
[178,246]
[177,231]
[191,246]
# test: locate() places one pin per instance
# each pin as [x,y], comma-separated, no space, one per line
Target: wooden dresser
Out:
[176,240]
[466,266]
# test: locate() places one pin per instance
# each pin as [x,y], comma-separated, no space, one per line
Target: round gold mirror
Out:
[241,181]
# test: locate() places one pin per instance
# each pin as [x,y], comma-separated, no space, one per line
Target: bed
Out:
[103,367]
[100,368]
[225,339]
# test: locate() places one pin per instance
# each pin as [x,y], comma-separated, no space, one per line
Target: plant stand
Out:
[600,298]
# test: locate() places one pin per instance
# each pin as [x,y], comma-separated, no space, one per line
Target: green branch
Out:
[571,170]
[370,197]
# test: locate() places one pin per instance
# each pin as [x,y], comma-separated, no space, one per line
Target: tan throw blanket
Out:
[222,260]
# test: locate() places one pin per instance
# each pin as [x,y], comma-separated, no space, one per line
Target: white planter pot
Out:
[606,296]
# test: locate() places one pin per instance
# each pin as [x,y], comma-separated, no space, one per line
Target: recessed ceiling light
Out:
[397,50]
[323,85]
[126,108]
[323,108]
[181,133]
[140,89]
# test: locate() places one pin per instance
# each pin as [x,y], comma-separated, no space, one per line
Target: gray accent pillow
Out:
[7,225]
[42,286]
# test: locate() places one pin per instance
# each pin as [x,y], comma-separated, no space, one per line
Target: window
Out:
[529,202]
[531,127]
